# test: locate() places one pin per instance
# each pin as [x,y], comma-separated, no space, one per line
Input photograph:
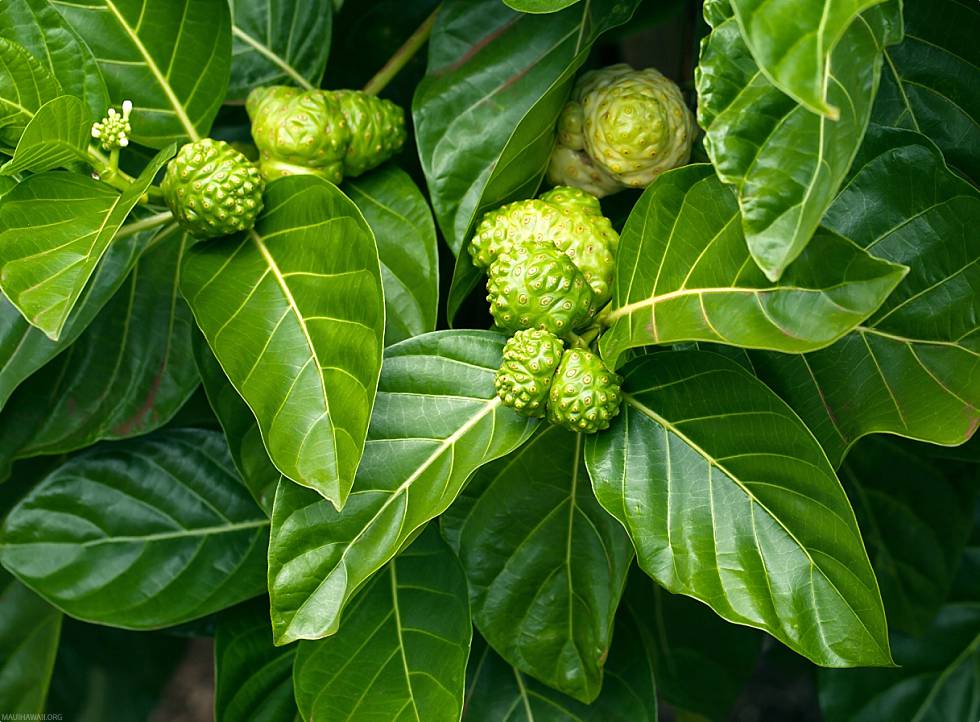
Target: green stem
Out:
[145,224]
[109,173]
[401,57]
[602,319]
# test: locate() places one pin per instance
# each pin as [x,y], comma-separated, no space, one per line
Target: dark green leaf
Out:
[57,135]
[401,653]
[278,42]
[729,499]
[545,564]
[913,368]
[29,631]
[172,58]
[785,161]
[539,6]
[436,420]
[928,82]
[126,375]
[45,267]
[294,312]
[25,85]
[140,534]
[253,678]
[402,223]
[683,273]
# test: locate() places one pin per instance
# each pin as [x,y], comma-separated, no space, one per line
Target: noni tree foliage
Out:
[447,360]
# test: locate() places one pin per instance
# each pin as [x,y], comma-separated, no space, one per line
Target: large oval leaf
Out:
[928,82]
[786,162]
[398,214]
[126,375]
[140,534]
[294,312]
[545,564]
[437,419]
[29,633]
[402,652]
[278,42]
[44,267]
[25,85]
[171,58]
[729,499]
[683,273]
[45,34]
[485,113]
[913,368]
[58,134]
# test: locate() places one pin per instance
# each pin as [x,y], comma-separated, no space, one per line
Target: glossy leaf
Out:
[684,273]
[57,135]
[402,224]
[913,368]
[140,534]
[241,430]
[25,85]
[729,499]
[293,310]
[539,6]
[545,564]
[401,653]
[437,419]
[24,348]
[916,514]
[29,632]
[278,42]
[126,375]
[172,59]
[44,268]
[692,649]
[927,81]
[253,680]
[50,39]
[786,162]
[792,41]
[497,692]
[485,113]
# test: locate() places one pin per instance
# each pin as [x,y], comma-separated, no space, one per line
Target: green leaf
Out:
[729,499]
[241,430]
[539,6]
[683,273]
[172,59]
[253,678]
[29,632]
[437,419]
[294,312]
[402,224]
[693,650]
[545,564]
[45,267]
[792,41]
[278,42]
[402,651]
[913,368]
[485,113]
[916,514]
[497,692]
[927,83]
[25,85]
[45,34]
[140,534]
[126,375]
[786,162]
[24,348]
[57,135]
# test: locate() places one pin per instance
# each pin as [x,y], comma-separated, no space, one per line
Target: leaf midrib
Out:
[267,53]
[160,536]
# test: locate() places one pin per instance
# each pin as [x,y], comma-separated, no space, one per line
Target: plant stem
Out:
[145,224]
[109,173]
[401,57]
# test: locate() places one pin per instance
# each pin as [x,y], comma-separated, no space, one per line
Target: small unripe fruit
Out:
[523,381]
[585,395]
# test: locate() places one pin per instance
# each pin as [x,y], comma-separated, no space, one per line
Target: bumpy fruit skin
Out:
[538,286]
[512,225]
[212,189]
[621,129]
[572,198]
[331,134]
[585,395]
[524,378]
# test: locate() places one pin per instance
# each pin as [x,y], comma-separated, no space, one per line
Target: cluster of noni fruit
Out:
[213,189]
[550,265]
